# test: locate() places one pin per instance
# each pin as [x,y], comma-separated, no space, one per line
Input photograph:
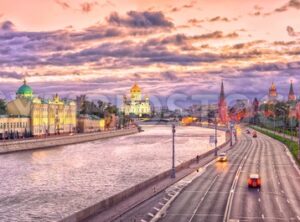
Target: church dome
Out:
[25,90]
[135,88]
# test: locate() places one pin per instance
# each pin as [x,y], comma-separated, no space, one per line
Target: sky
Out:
[172,49]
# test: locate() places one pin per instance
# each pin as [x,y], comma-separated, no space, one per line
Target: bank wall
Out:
[20,145]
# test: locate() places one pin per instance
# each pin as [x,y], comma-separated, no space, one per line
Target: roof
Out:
[254,176]
[25,90]
[135,88]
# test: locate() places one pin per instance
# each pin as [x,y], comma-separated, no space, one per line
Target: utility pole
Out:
[231,127]
[216,134]
[173,174]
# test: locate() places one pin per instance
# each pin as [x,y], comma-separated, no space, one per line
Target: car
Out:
[254,181]
[254,134]
[248,131]
[222,157]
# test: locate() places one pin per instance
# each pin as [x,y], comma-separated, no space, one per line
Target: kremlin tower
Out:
[223,115]
[273,93]
[292,96]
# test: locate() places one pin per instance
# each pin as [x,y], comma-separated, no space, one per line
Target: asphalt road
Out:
[221,193]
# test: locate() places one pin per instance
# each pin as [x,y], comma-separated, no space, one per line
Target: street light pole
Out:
[299,141]
[173,174]
[216,140]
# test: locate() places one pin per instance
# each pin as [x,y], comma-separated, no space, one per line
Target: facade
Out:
[222,107]
[47,116]
[14,127]
[136,105]
[88,124]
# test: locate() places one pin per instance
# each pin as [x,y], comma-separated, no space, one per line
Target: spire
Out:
[292,96]
[222,94]
[25,82]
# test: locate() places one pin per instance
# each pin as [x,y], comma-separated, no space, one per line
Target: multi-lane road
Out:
[221,193]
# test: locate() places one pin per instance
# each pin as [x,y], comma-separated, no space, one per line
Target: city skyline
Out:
[103,47]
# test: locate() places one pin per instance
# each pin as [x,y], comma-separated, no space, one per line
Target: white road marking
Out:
[263,216]
[298,217]
[258,199]
[155,208]
[151,215]
[142,220]
[160,203]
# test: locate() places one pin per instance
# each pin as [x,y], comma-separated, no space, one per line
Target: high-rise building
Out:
[136,105]
[223,111]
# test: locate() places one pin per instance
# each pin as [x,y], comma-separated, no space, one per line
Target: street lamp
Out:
[216,140]
[173,173]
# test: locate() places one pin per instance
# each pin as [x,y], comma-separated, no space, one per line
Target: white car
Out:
[222,157]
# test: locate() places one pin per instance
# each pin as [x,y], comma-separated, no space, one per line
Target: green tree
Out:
[2,107]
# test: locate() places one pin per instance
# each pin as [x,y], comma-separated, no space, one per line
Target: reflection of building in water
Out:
[47,116]
[136,105]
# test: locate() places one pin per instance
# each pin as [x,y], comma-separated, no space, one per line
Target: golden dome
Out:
[135,88]
[273,87]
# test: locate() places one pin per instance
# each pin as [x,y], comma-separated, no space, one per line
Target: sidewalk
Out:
[124,206]
[293,138]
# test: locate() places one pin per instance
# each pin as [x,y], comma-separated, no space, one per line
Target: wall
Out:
[19,145]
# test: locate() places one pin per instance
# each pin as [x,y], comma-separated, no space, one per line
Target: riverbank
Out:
[30,144]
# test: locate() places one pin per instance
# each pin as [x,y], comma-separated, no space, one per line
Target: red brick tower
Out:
[223,112]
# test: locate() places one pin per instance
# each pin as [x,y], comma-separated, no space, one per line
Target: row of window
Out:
[13,125]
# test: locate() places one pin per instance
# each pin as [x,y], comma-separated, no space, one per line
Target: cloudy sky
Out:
[101,47]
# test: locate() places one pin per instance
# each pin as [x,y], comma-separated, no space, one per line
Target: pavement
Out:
[219,192]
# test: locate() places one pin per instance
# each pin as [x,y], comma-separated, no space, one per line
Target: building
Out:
[222,107]
[273,95]
[292,97]
[88,123]
[14,127]
[136,105]
[47,116]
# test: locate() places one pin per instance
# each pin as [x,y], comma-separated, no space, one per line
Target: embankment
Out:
[20,145]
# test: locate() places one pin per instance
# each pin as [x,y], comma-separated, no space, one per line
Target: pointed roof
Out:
[292,96]
[222,93]
[135,88]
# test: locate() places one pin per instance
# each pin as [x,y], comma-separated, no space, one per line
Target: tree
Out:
[2,107]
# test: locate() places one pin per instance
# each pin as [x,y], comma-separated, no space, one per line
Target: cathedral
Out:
[136,105]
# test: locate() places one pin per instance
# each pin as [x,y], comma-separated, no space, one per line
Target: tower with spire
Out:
[273,95]
[292,96]
[222,106]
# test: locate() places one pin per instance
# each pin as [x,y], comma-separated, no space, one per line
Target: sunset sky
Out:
[101,47]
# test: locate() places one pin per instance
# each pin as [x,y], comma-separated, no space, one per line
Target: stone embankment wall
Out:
[29,144]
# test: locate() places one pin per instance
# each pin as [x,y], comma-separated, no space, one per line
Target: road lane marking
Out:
[150,214]
[198,205]
[258,199]
[155,208]
[263,216]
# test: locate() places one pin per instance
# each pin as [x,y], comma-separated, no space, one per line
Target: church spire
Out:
[292,96]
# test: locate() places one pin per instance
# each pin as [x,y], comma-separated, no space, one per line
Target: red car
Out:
[254,181]
[254,134]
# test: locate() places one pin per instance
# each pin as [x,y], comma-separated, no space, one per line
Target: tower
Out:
[135,93]
[223,115]
[273,93]
[292,96]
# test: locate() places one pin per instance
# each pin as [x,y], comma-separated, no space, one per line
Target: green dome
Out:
[25,90]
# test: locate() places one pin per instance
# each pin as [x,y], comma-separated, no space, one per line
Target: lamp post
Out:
[216,140]
[173,173]
[231,128]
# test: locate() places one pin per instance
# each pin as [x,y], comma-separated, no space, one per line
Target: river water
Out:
[50,184]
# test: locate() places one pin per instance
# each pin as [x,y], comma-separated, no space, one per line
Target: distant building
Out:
[273,95]
[47,116]
[14,127]
[88,123]
[222,107]
[292,97]
[136,105]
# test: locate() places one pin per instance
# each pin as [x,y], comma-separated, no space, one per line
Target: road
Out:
[221,192]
